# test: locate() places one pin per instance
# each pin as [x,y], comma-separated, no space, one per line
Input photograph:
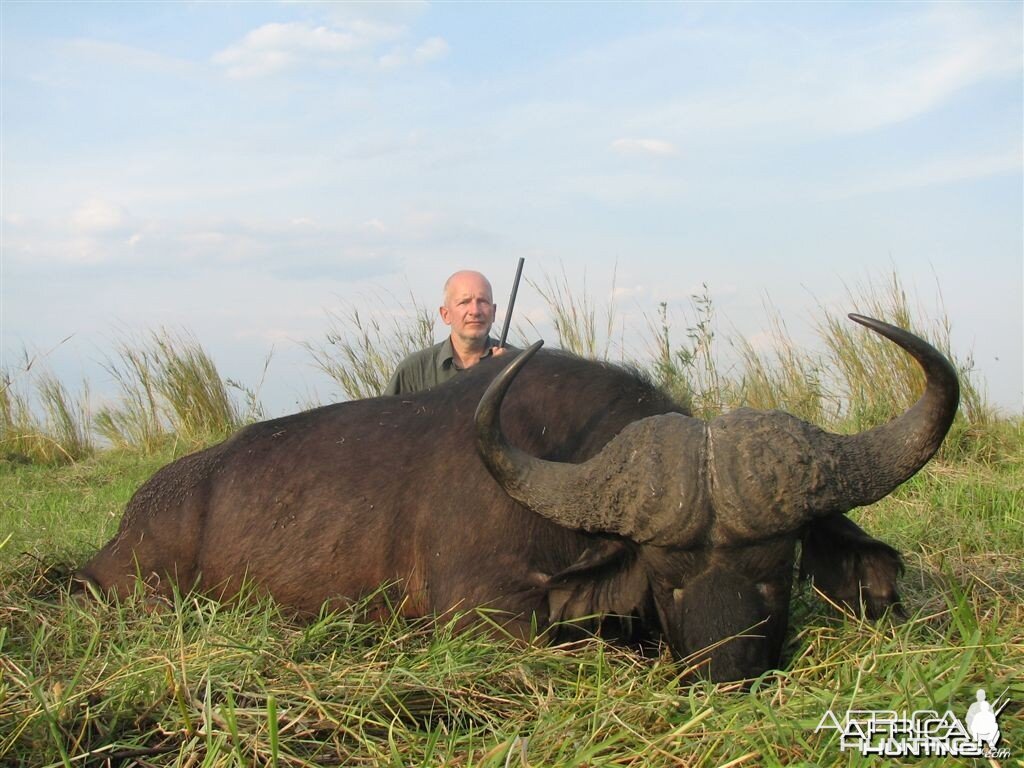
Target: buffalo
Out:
[581,492]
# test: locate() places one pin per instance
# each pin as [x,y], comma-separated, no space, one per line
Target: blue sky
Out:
[238,168]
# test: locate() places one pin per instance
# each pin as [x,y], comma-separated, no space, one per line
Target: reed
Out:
[361,351]
[55,431]
[876,381]
[170,388]
[575,316]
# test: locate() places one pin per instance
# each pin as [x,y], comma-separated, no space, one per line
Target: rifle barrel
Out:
[511,302]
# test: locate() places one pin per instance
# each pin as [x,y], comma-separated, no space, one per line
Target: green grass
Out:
[360,351]
[170,389]
[60,435]
[574,315]
[170,392]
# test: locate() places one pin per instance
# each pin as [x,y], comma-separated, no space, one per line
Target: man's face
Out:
[468,307]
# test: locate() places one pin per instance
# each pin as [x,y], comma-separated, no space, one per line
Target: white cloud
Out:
[644,147]
[392,60]
[86,252]
[375,31]
[97,217]
[893,90]
[275,47]
[430,50]
[298,35]
[291,248]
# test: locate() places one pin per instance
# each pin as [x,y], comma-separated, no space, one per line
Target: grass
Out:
[876,381]
[202,684]
[206,684]
[575,317]
[60,435]
[170,388]
[170,391]
[855,379]
[361,352]
[690,371]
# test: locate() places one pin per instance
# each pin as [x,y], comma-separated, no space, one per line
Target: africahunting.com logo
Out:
[922,733]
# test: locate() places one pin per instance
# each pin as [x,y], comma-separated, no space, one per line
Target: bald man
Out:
[469,309]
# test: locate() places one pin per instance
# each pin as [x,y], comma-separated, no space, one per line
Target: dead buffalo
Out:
[597,496]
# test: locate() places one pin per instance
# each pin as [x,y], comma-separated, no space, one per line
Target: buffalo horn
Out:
[762,473]
[872,464]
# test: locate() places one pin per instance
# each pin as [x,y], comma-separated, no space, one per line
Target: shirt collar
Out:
[446,355]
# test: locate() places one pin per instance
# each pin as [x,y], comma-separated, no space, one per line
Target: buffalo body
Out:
[596,495]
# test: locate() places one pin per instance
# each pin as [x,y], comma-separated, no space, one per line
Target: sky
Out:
[240,169]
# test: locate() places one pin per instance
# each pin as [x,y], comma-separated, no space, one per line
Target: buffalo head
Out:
[716,508]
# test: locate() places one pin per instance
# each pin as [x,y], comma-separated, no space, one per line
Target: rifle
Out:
[511,303]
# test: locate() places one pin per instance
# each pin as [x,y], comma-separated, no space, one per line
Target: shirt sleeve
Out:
[394,387]
[414,373]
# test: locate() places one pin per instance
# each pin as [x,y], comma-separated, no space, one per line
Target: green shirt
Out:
[428,368]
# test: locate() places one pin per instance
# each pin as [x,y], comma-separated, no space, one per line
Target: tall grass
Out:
[877,381]
[783,376]
[197,400]
[67,417]
[135,421]
[169,386]
[689,371]
[61,434]
[575,316]
[855,381]
[361,352]
[16,417]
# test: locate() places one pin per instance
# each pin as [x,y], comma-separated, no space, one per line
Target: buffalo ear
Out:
[852,569]
[601,582]
[602,554]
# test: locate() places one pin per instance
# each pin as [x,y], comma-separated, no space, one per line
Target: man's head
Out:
[468,307]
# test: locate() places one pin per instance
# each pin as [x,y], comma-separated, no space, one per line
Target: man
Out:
[469,309]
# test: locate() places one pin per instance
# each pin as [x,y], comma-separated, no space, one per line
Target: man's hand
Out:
[498,351]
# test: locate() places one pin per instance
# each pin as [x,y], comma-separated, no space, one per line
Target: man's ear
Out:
[445,315]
